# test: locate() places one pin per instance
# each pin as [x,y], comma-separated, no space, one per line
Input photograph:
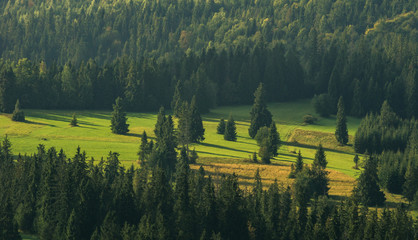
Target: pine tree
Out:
[367,190]
[74,122]
[193,156]
[299,163]
[184,125]
[7,89]
[144,148]
[410,187]
[8,228]
[118,121]
[341,132]
[18,115]
[197,131]
[161,118]
[356,160]
[274,139]
[72,230]
[320,158]
[230,130]
[260,115]
[221,127]
[182,207]
[254,158]
[177,102]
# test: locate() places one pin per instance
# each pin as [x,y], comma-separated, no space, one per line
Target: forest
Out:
[352,58]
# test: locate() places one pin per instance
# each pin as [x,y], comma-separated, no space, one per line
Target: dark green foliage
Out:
[321,104]
[367,190]
[193,156]
[309,119]
[177,102]
[145,148]
[164,154]
[18,114]
[299,163]
[320,160]
[254,157]
[7,89]
[274,139]
[221,127]
[356,160]
[118,122]
[74,122]
[410,187]
[8,227]
[230,130]
[196,126]
[260,115]
[341,132]
[75,200]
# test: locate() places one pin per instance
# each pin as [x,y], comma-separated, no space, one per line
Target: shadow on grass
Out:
[39,123]
[314,147]
[223,147]
[216,154]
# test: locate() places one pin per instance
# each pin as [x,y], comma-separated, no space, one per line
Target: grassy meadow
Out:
[217,156]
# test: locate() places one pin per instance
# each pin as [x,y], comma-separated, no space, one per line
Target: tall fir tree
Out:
[176,103]
[145,148]
[221,127]
[74,121]
[260,115]
[184,125]
[341,132]
[230,130]
[161,118]
[118,122]
[299,163]
[367,190]
[7,90]
[197,131]
[18,114]
[274,139]
[320,158]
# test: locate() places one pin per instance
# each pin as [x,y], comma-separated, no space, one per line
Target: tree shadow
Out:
[223,147]
[216,154]
[314,147]
[38,123]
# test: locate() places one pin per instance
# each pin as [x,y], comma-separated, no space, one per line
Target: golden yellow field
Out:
[340,183]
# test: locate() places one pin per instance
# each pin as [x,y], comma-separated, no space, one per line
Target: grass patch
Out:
[93,135]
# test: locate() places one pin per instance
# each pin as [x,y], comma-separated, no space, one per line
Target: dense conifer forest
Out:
[352,58]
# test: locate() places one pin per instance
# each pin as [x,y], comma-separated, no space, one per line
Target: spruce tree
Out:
[7,89]
[274,139]
[320,158]
[197,131]
[184,125]
[356,160]
[177,102]
[341,132]
[118,122]
[299,163]
[74,122]
[367,190]
[221,127]
[8,227]
[144,148]
[18,114]
[230,130]
[260,115]
[410,187]
[161,118]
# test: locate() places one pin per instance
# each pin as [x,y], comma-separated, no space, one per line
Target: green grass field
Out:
[93,135]
[51,128]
